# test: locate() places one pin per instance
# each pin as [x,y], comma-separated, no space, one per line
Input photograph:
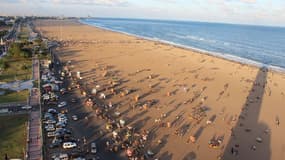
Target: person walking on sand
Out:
[277,121]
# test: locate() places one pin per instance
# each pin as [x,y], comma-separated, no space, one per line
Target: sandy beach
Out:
[200,97]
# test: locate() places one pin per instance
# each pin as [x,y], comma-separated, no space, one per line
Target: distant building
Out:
[1,42]
[10,22]
[2,48]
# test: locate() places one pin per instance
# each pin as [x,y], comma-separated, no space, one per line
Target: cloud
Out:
[77,2]
[248,1]
[94,2]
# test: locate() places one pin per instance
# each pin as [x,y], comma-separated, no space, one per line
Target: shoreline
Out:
[223,56]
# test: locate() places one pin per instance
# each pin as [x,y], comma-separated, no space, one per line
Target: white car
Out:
[67,145]
[62,119]
[50,134]
[62,104]
[50,128]
[27,107]
[50,121]
[93,148]
[74,117]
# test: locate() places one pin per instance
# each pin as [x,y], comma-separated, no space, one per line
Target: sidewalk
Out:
[34,150]
[34,95]
[34,138]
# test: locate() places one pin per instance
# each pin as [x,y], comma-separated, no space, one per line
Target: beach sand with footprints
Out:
[195,106]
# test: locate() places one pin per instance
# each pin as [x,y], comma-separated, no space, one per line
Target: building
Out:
[3,48]
[10,22]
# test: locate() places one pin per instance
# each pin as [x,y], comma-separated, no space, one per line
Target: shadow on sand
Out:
[250,138]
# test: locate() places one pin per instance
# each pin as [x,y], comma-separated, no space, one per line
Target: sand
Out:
[239,102]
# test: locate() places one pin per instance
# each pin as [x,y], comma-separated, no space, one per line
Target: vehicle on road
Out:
[52,111]
[62,104]
[62,91]
[50,121]
[27,107]
[50,134]
[68,145]
[73,100]
[74,117]
[49,127]
[48,116]
[54,145]
[60,125]
[93,148]
[61,156]
[57,140]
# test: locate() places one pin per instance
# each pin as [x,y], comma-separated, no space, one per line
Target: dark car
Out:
[73,100]
[76,154]
[54,145]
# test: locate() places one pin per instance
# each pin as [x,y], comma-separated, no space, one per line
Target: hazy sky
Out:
[260,12]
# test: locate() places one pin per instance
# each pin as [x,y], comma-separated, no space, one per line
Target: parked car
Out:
[52,111]
[61,156]
[50,134]
[48,116]
[57,140]
[79,158]
[76,154]
[68,145]
[62,104]
[74,117]
[49,126]
[93,148]
[63,130]
[62,91]
[54,145]
[50,121]
[52,102]
[50,129]
[60,125]
[63,121]
[73,100]
[27,107]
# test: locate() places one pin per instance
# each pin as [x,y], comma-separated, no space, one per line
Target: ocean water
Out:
[258,45]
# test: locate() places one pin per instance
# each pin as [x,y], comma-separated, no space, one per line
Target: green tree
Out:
[15,50]
[3,64]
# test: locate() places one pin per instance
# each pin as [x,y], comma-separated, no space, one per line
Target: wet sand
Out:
[236,103]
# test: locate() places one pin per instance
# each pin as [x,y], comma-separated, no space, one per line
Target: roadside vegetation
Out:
[3,33]
[13,96]
[24,34]
[17,65]
[13,136]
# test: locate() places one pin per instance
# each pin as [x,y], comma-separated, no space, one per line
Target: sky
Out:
[256,12]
